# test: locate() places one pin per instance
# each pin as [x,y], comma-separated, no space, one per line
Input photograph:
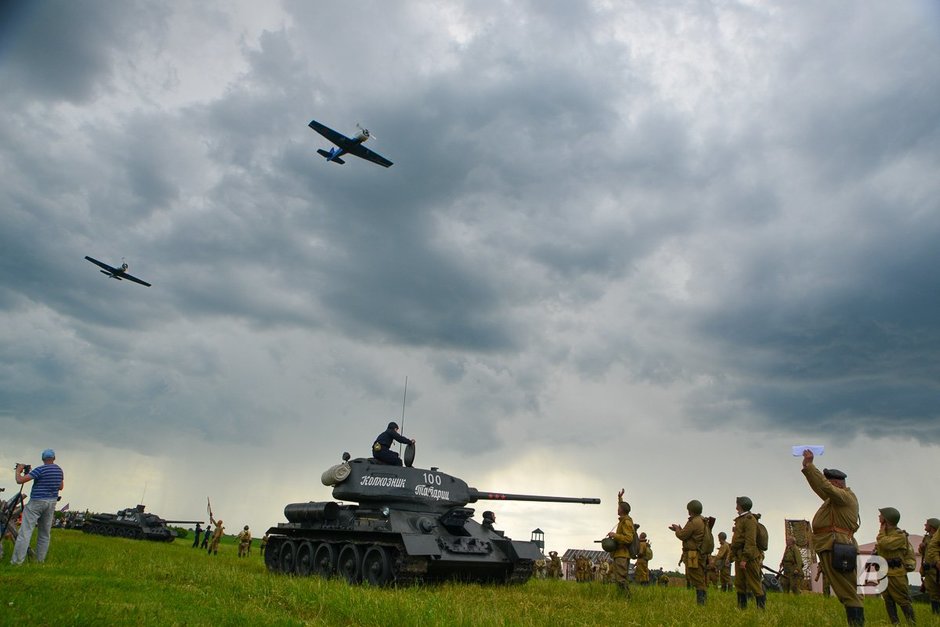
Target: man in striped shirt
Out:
[48,480]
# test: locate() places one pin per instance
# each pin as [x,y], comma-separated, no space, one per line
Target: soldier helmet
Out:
[488,515]
[642,535]
[694,506]
[934,522]
[623,505]
[722,535]
[832,473]
[890,514]
[246,527]
[392,425]
[745,503]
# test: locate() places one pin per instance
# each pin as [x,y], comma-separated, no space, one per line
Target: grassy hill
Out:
[94,580]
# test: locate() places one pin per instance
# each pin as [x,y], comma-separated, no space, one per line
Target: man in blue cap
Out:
[47,480]
[382,447]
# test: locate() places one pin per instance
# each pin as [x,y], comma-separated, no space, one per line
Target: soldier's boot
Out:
[762,601]
[742,600]
[892,609]
[909,615]
[935,607]
[700,597]
[855,616]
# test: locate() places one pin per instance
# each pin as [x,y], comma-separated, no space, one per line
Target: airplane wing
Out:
[134,279]
[103,265]
[361,151]
[337,138]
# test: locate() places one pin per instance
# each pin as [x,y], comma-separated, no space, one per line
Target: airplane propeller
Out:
[365,131]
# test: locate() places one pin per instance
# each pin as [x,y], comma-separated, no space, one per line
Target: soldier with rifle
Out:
[834,526]
[791,567]
[216,533]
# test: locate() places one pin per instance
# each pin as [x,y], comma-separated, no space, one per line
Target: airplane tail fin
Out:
[330,157]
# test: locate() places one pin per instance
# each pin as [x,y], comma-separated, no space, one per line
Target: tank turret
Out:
[408,525]
[133,523]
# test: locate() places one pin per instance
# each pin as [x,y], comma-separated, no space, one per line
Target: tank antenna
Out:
[143,494]
[403,397]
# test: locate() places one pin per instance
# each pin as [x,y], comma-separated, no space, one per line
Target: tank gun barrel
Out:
[481,495]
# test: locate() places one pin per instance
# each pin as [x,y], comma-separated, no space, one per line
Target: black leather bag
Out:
[844,557]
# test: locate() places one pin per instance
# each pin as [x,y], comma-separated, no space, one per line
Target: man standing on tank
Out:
[40,510]
[382,447]
[835,523]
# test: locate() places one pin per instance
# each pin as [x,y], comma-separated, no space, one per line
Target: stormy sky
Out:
[640,245]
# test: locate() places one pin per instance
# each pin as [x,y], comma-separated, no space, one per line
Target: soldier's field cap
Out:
[934,522]
[832,473]
[892,515]
[48,454]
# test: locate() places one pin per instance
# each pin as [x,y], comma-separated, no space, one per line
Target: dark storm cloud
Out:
[63,50]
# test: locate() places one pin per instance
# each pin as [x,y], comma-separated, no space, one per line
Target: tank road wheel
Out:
[349,564]
[304,560]
[376,566]
[287,556]
[324,560]
[271,553]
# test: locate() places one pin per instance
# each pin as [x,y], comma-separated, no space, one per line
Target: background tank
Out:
[410,525]
[133,523]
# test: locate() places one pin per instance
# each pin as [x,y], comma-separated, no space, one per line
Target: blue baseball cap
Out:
[48,454]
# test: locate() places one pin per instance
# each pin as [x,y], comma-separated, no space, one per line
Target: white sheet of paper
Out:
[817,449]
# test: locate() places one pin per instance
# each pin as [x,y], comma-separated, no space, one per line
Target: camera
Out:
[26,467]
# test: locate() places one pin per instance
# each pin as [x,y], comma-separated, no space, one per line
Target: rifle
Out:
[769,569]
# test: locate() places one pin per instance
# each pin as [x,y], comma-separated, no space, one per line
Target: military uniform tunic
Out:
[692,536]
[791,567]
[723,559]
[836,521]
[747,557]
[623,535]
[928,571]
[891,544]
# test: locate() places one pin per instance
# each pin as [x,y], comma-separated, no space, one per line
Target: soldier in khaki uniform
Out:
[554,565]
[791,567]
[623,535]
[216,536]
[932,557]
[692,536]
[723,562]
[928,572]
[641,571]
[747,557]
[244,542]
[836,521]
[603,571]
[891,544]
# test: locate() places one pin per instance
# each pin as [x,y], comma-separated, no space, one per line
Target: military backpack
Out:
[634,546]
[763,538]
[649,553]
[708,540]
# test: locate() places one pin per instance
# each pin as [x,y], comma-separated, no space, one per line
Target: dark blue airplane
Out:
[348,145]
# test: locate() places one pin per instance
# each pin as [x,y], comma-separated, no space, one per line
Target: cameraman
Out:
[49,479]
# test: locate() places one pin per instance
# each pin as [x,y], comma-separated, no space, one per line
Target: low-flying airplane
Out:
[350,145]
[116,273]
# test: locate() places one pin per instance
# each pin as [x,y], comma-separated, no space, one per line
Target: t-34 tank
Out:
[133,523]
[410,525]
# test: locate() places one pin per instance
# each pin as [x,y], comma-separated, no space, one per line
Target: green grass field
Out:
[94,580]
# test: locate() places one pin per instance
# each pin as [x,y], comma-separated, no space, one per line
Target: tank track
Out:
[404,570]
